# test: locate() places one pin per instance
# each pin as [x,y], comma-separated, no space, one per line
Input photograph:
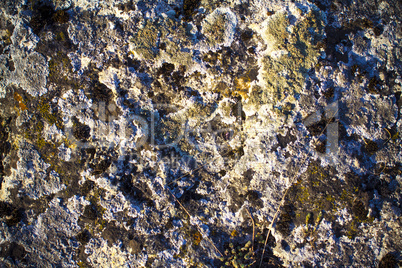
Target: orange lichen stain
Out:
[197,238]
[234,233]
[242,86]
[19,99]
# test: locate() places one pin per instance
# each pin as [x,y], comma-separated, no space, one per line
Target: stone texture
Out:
[177,133]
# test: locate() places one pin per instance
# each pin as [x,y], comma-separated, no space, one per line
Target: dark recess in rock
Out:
[283,225]
[112,234]
[359,210]
[83,237]
[166,69]
[320,146]
[388,261]
[329,93]
[101,166]
[285,140]
[189,7]
[139,192]
[10,65]
[157,243]
[45,16]
[190,194]
[86,187]
[370,146]
[126,7]
[13,251]
[246,35]
[134,246]
[101,92]
[91,213]
[13,215]
[80,131]
[5,146]
[254,198]
[237,200]
[322,4]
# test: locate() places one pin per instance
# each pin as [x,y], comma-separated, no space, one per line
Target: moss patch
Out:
[318,194]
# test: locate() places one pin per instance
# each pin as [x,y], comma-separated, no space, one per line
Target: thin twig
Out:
[389,133]
[329,121]
[390,137]
[251,216]
[378,173]
[326,125]
[275,216]
[199,228]
[388,140]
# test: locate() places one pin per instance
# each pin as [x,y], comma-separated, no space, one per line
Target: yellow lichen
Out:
[218,27]
[291,54]
[214,30]
[145,41]
[197,238]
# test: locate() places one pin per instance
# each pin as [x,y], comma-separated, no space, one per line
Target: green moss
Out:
[6,37]
[46,113]
[245,254]
[303,195]
[353,229]
[59,65]
[317,195]
[41,142]
[396,136]
[61,37]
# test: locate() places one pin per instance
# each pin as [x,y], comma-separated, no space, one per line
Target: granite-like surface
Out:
[177,133]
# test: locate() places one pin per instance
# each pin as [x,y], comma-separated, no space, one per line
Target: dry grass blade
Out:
[199,228]
[285,194]
[190,173]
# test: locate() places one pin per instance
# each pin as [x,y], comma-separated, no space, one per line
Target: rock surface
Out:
[196,133]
